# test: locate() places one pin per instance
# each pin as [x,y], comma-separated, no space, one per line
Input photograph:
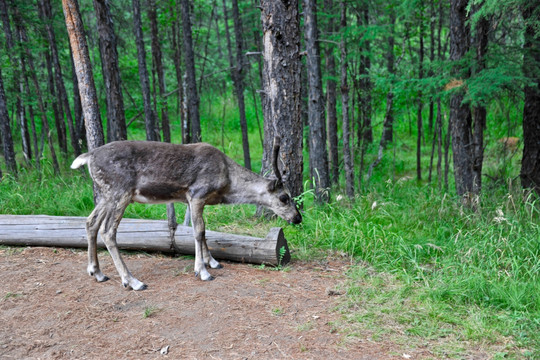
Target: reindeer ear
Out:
[275,154]
[274,185]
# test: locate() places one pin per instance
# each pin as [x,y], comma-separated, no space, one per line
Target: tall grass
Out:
[473,274]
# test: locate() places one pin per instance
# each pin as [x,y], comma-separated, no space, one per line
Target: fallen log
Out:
[146,235]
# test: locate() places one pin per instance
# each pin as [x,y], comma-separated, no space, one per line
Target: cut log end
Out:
[283,255]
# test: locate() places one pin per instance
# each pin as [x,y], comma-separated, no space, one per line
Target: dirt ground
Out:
[51,309]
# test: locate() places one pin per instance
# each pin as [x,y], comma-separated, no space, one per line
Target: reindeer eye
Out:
[284,198]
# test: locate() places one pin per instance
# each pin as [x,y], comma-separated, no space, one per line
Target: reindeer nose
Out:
[297,219]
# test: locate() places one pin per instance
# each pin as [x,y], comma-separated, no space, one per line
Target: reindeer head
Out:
[280,201]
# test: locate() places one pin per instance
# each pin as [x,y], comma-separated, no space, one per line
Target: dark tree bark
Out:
[460,114]
[19,85]
[177,58]
[239,83]
[26,89]
[87,88]
[365,129]
[318,155]
[388,125]
[331,113]
[479,111]
[189,57]
[347,156]
[281,84]
[44,122]
[59,80]
[52,97]
[530,164]
[116,119]
[152,132]
[431,58]
[5,130]
[237,74]
[158,66]
[364,90]
[420,103]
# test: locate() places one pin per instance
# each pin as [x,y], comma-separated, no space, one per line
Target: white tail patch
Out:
[80,161]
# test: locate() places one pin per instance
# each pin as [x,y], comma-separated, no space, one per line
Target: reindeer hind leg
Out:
[114,212]
[93,224]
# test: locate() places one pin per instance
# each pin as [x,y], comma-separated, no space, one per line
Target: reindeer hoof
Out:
[215,265]
[134,284]
[141,288]
[208,277]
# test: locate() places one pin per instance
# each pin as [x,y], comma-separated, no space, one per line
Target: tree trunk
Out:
[177,58]
[80,130]
[152,132]
[116,119]
[87,88]
[5,130]
[281,84]
[530,164]
[331,113]
[239,83]
[26,89]
[53,97]
[158,65]
[318,155]
[365,128]
[44,122]
[19,85]
[460,114]
[479,111]
[420,103]
[189,55]
[388,125]
[431,59]
[347,157]
[47,12]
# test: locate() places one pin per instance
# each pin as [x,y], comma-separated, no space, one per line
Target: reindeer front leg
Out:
[197,207]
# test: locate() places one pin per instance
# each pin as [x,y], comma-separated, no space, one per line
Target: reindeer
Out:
[153,173]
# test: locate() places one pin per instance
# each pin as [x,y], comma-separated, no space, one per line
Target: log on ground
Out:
[145,235]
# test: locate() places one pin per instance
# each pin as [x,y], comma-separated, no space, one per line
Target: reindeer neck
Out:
[246,186]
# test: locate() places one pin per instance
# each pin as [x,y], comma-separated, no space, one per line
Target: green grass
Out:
[425,268]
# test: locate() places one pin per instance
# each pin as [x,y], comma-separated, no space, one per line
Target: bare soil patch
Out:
[51,309]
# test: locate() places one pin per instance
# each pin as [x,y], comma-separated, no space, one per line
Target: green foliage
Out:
[422,263]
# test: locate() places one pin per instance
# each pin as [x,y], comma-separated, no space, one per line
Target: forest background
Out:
[414,149]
